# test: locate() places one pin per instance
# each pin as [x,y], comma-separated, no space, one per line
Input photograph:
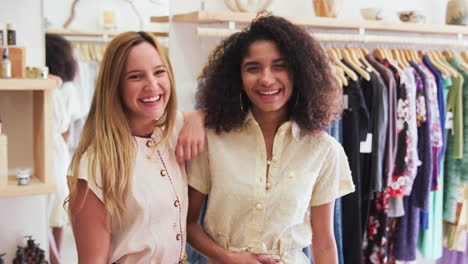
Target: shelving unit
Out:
[42,179]
[93,33]
[212,17]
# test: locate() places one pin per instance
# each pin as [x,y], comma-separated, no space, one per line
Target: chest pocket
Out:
[296,192]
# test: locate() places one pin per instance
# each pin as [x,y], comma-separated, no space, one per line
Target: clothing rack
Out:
[92,36]
[360,37]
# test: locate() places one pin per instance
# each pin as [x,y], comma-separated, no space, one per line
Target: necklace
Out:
[177,204]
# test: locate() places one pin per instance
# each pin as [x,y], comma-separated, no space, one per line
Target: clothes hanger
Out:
[342,75]
[339,74]
[404,58]
[347,57]
[334,57]
[441,68]
[379,53]
[398,59]
[443,60]
[362,58]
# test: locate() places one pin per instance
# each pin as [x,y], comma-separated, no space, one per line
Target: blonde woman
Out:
[128,195]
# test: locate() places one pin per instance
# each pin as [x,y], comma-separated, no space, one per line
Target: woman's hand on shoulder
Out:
[191,139]
[250,258]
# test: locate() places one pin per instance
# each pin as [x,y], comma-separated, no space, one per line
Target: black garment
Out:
[355,122]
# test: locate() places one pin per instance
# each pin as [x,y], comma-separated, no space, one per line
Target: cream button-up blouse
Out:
[247,211]
[157,208]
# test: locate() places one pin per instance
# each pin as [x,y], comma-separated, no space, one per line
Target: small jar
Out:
[11,34]
[24,176]
[42,72]
[30,73]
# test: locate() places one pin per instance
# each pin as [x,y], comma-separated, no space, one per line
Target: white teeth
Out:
[269,92]
[151,99]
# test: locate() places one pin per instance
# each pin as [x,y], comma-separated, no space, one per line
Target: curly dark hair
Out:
[316,98]
[59,57]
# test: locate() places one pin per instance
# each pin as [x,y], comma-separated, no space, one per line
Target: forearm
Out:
[324,254]
[200,241]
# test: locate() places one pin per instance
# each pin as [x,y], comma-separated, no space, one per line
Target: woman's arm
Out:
[91,226]
[191,137]
[323,237]
[201,242]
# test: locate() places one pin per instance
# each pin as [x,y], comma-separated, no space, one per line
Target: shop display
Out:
[327,8]
[2,28]
[372,13]
[24,176]
[457,12]
[412,16]
[5,65]
[11,34]
[31,254]
[247,5]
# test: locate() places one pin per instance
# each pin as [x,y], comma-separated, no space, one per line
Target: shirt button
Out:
[259,206]
[176,203]
[268,186]
[274,159]
[284,254]
[149,143]
[163,173]
[179,237]
[291,175]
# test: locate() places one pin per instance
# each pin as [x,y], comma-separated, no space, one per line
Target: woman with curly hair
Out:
[269,96]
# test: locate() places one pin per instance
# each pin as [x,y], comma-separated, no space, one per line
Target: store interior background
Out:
[27,215]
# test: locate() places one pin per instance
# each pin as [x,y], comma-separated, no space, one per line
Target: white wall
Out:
[26,215]
[87,14]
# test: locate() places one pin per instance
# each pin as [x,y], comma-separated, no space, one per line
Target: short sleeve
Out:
[334,179]
[198,171]
[83,174]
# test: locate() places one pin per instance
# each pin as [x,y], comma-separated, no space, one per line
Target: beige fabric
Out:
[242,213]
[150,235]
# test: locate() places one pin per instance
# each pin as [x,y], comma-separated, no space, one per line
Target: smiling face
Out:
[266,79]
[145,87]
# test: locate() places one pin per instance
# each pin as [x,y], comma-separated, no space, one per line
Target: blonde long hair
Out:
[106,138]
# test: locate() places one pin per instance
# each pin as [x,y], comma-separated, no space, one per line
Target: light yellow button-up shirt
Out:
[248,212]
[157,204]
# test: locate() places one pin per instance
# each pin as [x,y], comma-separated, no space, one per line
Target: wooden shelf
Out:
[93,33]
[208,17]
[27,84]
[34,187]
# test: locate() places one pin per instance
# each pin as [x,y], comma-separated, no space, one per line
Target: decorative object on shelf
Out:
[327,8]
[42,72]
[11,34]
[457,12]
[31,254]
[2,28]
[72,14]
[5,65]
[252,6]
[108,19]
[372,13]
[24,176]
[412,16]
[17,57]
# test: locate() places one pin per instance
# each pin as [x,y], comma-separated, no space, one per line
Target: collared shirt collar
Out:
[290,125]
